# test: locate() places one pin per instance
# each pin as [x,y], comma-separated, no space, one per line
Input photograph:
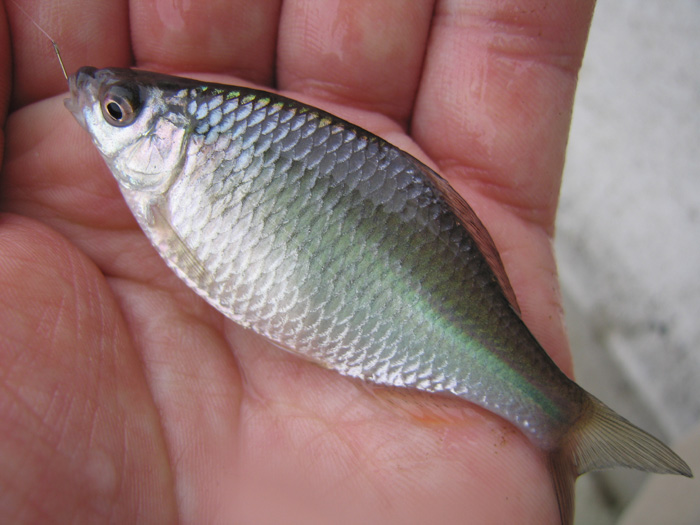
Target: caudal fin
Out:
[603,439]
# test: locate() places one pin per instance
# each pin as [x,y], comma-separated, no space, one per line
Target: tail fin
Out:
[604,439]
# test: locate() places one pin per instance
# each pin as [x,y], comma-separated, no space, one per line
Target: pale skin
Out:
[125,398]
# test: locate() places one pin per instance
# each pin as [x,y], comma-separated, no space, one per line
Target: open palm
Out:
[125,398]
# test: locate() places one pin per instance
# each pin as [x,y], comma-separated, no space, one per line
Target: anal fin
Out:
[563,472]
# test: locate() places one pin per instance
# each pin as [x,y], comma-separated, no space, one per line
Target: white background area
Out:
[628,232]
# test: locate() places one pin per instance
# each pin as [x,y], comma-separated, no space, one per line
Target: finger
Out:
[80,438]
[97,36]
[496,96]
[493,111]
[363,53]
[236,37]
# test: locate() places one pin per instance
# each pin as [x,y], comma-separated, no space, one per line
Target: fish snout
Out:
[79,84]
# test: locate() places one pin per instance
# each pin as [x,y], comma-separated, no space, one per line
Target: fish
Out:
[345,250]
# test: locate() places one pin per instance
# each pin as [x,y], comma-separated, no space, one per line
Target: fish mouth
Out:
[79,85]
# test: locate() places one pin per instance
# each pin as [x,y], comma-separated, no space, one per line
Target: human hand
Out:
[125,398]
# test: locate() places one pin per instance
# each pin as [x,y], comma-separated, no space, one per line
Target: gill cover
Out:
[140,134]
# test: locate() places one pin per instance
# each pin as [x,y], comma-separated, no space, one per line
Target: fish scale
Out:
[343,249]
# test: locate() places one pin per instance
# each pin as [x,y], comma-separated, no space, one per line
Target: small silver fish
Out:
[345,250]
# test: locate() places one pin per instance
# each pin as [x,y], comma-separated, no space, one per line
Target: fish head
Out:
[138,123]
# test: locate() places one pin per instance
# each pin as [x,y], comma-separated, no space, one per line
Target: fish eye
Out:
[120,104]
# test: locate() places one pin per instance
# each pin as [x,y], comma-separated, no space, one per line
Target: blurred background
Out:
[628,246]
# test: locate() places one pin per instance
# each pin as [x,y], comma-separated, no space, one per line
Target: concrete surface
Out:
[628,237]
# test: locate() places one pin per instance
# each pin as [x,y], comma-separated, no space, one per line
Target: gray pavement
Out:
[628,238]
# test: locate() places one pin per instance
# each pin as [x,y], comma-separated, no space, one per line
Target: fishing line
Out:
[53,42]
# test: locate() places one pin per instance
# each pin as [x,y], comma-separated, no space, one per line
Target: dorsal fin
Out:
[476,229]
